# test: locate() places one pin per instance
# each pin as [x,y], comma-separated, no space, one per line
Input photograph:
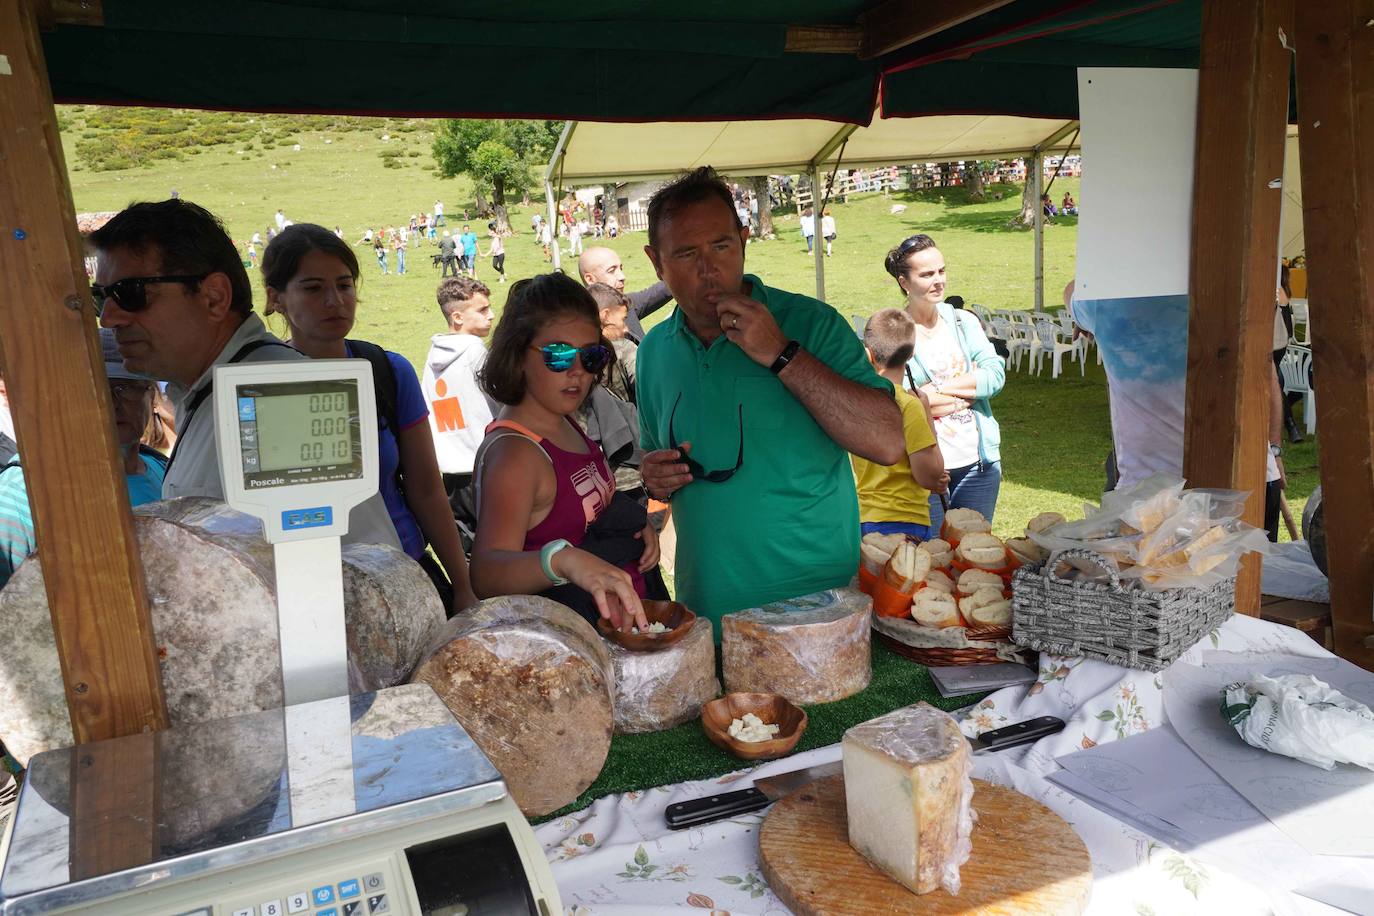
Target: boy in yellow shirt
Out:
[896,499]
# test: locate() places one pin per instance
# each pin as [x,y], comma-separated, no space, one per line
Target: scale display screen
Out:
[299,432]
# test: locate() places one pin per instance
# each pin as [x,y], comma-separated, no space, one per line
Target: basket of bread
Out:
[938,604]
[1138,581]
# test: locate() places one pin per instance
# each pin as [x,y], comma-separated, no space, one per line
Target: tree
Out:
[496,154]
[976,173]
[758,186]
[1026,218]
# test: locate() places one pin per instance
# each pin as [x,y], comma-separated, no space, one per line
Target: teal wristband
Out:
[546,559]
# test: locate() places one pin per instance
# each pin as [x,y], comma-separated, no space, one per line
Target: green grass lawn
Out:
[1055,433]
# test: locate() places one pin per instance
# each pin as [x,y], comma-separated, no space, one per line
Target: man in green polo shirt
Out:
[750,399]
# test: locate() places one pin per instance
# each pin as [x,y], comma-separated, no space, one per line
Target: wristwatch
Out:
[546,559]
[1275,450]
[788,353]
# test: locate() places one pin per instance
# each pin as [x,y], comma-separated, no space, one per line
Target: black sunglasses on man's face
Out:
[695,469]
[131,293]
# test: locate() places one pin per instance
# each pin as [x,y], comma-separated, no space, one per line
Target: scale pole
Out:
[310,617]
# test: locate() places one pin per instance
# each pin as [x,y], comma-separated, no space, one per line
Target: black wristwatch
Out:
[788,353]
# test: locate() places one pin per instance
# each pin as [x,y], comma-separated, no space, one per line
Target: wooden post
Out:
[61,406]
[1242,116]
[1335,58]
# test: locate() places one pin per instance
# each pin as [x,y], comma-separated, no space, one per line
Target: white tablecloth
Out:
[617,857]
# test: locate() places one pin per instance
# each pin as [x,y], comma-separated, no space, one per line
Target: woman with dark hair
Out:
[959,371]
[544,490]
[311,277]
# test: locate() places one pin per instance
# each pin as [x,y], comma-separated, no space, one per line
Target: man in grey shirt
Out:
[170,284]
[602,265]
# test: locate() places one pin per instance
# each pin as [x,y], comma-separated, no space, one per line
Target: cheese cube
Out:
[908,793]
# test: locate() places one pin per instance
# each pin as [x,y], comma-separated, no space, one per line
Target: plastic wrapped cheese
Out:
[811,649]
[909,793]
[531,682]
[212,594]
[657,690]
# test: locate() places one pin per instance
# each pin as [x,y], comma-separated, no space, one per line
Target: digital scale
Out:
[335,805]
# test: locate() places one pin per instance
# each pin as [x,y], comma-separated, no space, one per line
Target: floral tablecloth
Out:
[617,857]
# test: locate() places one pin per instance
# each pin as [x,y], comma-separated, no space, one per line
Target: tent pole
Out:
[817,196]
[553,215]
[58,395]
[1038,167]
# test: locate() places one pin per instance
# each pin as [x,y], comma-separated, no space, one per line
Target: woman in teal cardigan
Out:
[956,366]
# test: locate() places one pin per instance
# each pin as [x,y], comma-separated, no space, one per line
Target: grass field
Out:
[1055,433]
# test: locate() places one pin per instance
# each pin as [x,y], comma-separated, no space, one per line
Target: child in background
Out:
[458,411]
[544,489]
[614,307]
[896,499]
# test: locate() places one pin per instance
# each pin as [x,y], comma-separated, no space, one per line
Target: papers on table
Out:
[1328,812]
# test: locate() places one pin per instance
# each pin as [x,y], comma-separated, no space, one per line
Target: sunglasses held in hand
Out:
[693,467]
[131,293]
[559,357]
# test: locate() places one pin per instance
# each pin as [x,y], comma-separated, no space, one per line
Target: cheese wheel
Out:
[657,690]
[987,607]
[1043,522]
[908,796]
[212,594]
[963,522]
[811,649]
[933,608]
[982,550]
[970,580]
[531,682]
[941,554]
[1025,550]
[940,581]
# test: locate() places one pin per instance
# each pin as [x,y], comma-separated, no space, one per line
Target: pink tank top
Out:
[585,489]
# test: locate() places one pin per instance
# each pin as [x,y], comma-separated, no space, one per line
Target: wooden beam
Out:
[52,13]
[895,24]
[61,406]
[824,39]
[1242,120]
[1335,58]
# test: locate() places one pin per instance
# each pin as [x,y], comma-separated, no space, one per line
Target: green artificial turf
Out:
[682,754]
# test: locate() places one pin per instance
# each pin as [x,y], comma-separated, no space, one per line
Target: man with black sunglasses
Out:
[750,400]
[170,285]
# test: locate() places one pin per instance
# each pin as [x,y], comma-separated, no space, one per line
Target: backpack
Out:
[384,382]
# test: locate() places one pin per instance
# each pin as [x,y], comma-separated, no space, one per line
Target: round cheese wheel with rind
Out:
[811,649]
[211,591]
[531,682]
[658,690]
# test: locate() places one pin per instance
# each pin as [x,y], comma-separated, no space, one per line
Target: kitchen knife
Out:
[769,789]
[763,793]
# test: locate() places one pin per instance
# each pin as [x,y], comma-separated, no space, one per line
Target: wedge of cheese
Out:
[908,793]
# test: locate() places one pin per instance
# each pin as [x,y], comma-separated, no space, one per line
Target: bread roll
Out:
[941,554]
[987,607]
[906,568]
[875,549]
[1025,550]
[963,522]
[936,609]
[940,581]
[1044,521]
[970,580]
[982,550]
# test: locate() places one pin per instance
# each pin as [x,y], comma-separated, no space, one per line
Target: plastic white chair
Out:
[1049,337]
[1018,342]
[1303,317]
[1294,370]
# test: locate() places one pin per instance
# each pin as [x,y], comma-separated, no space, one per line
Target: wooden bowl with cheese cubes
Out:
[669,621]
[753,726]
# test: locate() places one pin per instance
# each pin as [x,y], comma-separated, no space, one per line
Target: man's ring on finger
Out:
[734,321]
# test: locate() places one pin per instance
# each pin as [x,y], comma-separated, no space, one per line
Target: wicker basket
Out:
[941,656]
[1124,625]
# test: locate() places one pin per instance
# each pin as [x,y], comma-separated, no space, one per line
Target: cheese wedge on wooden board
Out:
[657,690]
[811,649]
[908,793]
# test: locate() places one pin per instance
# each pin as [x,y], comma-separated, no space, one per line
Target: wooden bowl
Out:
[717,715]
[669,613]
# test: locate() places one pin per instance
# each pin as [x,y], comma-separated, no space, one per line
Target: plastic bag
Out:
[1301,717]
[1203,560]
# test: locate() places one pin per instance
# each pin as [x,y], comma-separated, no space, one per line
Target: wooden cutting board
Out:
[1025,859]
